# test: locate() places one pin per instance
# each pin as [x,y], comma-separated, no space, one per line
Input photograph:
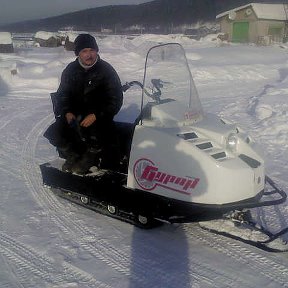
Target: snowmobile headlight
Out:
[232,141]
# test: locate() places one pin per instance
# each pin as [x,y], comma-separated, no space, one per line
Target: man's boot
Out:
[86,161]
[70,156]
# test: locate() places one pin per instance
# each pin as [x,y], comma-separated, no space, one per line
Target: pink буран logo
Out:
[148,176]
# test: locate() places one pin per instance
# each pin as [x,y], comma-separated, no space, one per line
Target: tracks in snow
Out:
[261,262]
[28,263]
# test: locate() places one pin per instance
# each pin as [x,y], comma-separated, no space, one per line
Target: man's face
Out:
[88,56]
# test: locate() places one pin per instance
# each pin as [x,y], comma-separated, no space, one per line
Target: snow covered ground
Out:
[48,242]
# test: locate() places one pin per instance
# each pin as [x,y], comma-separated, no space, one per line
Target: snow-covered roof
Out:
[45,35]
[5,38]
[262,11]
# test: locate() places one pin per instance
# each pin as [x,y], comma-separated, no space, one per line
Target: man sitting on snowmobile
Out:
[88,97]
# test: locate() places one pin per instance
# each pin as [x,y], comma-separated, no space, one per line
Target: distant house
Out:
[6,44]
[47,39]
[255,23]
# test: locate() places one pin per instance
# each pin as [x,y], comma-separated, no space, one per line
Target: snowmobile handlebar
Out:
[156,84]
[128,85]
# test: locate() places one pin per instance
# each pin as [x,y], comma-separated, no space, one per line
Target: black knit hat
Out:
[83,41]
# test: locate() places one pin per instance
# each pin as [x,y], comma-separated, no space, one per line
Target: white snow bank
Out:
[45,35]
[7,71]
[272,102]
[5,38]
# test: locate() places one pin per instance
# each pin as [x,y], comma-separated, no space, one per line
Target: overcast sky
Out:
[20,10]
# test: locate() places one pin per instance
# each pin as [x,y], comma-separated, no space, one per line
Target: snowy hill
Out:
[155,16]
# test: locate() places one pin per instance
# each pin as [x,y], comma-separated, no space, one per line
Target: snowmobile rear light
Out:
[188,136]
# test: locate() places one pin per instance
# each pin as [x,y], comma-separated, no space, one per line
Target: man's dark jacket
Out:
[97,90]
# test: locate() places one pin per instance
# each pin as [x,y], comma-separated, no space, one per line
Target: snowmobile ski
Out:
[249,233]
[239,225]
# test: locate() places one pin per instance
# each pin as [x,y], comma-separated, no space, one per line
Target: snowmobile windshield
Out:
[169,91]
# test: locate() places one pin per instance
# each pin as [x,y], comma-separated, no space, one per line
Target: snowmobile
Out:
[178,164]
